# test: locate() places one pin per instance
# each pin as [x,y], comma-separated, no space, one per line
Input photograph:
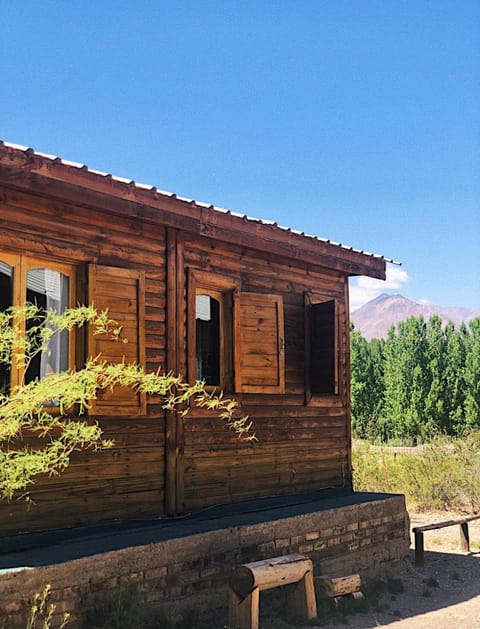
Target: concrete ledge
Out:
[366,536]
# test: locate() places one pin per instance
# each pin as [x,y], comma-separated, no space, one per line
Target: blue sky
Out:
[357,121]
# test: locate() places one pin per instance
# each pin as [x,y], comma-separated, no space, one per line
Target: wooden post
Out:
[301,602]
[171,366]
[244,613]
[418,548]
[464,534]
[464,538]
[174,437]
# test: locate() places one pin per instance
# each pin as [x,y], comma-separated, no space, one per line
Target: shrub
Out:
[441,475]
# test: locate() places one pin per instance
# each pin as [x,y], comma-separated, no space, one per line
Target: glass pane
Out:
[207,318]
[6,301]
[49,290]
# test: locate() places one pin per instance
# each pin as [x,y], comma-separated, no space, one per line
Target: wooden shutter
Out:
[259,343]
[121,292]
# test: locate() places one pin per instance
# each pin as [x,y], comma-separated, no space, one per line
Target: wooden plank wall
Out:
[128,480]
[300,447]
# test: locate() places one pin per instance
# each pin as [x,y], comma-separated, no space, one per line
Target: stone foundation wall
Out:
[368,538]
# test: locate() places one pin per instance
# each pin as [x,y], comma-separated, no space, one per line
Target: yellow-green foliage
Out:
[441,475]
[27,407]
[42,611]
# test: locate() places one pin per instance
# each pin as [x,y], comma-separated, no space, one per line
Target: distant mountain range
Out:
[374,318]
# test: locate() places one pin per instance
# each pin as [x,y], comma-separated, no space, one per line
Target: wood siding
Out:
[129,479]
[300,446]
[164,462]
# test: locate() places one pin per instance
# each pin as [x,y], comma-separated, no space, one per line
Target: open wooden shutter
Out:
[259,343]
[121,292]
[323,345]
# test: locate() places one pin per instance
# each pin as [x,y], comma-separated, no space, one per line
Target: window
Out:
[48,285]
[321,364]
[210,330]
[208,346]
[235,339]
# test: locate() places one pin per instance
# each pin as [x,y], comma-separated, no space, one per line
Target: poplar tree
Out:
[436,405]
[455,377]
[367,385]
[405,379]
[422,380]
[472,375]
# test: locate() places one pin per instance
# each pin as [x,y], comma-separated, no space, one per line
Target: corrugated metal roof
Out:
[149,188]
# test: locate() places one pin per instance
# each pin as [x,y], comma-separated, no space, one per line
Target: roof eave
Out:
[206,219]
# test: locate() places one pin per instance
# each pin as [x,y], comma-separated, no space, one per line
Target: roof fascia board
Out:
[26,170]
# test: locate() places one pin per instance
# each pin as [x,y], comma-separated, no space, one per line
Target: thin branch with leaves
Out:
[26,409]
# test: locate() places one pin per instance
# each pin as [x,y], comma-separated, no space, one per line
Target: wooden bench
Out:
[418,531]
[295,572]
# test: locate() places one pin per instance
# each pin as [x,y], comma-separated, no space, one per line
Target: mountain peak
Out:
[374,318]
[386,297]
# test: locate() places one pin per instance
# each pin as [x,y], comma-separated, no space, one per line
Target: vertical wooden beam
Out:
[170,462]
[464,537]
[181,355]
[80,334]
[345,368]
[19,298]
[175,334]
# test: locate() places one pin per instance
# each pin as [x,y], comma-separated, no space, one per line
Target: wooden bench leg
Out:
[464,537]
[418,548]
[301,601]
[243,614]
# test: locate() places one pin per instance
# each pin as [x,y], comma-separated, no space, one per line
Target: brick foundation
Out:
[369,538]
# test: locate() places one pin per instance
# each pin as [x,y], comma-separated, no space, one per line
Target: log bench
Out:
[418,531]
[294,571]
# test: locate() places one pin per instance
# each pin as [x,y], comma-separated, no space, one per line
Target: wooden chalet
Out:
[256,309]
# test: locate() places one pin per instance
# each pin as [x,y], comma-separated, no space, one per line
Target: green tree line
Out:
[422,380]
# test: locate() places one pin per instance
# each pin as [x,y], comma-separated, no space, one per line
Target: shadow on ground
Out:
[443,594]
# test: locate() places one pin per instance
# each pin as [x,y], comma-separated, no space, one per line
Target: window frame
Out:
[310,300]
[222,288]
[21,264]
[220,297]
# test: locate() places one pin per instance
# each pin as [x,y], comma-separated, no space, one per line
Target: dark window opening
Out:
[6,301]
[322,349]
[207,322]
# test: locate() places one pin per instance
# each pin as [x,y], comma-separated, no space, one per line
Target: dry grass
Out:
[442,475]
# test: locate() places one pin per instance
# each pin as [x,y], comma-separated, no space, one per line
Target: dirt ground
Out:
[443,594]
